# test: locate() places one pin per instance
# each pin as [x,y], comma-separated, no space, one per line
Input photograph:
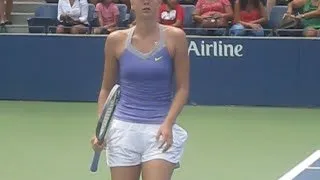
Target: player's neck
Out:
[146,27]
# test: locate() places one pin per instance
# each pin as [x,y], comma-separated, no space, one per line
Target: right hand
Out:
[95,145]
[256,26]
[288,14]
[63,17]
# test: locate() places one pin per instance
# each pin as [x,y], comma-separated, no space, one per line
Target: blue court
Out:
[308,169]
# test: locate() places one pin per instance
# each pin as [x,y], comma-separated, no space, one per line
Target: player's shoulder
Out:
[175,37]
[174,33]
[118,36]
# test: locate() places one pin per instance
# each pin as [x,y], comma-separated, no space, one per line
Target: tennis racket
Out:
[104,122]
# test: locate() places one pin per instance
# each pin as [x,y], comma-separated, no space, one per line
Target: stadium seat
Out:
[276,15]
[52,1]
[191,2]
[47,10]
[45,16]
[122,19]
[92,17]
[91,13]
[188,21]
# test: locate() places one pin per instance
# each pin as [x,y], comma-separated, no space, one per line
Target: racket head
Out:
[107,113]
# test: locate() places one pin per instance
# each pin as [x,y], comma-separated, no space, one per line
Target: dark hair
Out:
[244,4]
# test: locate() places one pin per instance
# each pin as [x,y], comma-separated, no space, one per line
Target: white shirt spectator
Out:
[79,10]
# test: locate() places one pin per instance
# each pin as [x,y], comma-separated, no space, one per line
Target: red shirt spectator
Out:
[213,13]
[171,13]
[108,13]
[207,7]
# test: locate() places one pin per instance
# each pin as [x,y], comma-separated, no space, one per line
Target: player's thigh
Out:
[157,169]
[159,164]
[123,145]
[125,173]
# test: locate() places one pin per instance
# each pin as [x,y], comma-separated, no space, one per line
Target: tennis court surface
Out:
[308,169]
[50,141]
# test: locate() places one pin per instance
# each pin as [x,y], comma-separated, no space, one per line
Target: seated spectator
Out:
[171,13]
[310,17]
[213,14]
[108,16]
[249,15]
[72,16]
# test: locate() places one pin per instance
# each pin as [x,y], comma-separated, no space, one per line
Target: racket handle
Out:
[95,161]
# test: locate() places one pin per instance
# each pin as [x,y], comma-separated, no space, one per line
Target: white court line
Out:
[301,166]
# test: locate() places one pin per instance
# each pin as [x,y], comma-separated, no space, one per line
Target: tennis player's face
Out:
[146,8]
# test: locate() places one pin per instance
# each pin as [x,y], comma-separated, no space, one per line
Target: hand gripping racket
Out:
[104,122]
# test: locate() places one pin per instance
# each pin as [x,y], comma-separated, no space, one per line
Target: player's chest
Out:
[155,65]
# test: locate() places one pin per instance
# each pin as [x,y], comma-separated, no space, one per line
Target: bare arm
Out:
[290,8]
[228,12]
[178,23]
[114,24]
[84,7]
[237,12]
[60,16]
[294,5]
[100,18]
[181,68]
[312,14]
[270,5]
[264,16]
[237,16]
[110,70]
[196,16]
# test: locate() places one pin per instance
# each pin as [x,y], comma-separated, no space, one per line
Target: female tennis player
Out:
[144,137]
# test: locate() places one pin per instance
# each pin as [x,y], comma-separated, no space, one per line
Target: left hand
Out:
[217,15]
[300,16]
[256,26]
[165,135]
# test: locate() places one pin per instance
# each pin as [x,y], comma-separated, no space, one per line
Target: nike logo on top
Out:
[158,58]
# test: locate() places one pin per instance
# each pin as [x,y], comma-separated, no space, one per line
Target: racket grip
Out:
[95,161]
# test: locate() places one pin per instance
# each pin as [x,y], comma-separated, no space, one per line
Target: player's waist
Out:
[139,120]
[154,102]
[147,114]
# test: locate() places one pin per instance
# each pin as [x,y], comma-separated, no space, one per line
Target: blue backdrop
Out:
[224,71]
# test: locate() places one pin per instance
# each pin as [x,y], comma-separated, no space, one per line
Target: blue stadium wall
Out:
[224,71]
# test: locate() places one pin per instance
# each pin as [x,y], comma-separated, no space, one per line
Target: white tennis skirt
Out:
[130,144]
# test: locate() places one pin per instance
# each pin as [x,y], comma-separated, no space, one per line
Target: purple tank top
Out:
[146,83]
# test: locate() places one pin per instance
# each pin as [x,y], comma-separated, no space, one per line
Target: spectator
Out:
[73,16]
[5,11]
[248,14]
[171,13]
[212,14]
[310,17]
[108,16]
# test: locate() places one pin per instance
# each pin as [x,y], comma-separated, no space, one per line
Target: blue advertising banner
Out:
[224,71]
